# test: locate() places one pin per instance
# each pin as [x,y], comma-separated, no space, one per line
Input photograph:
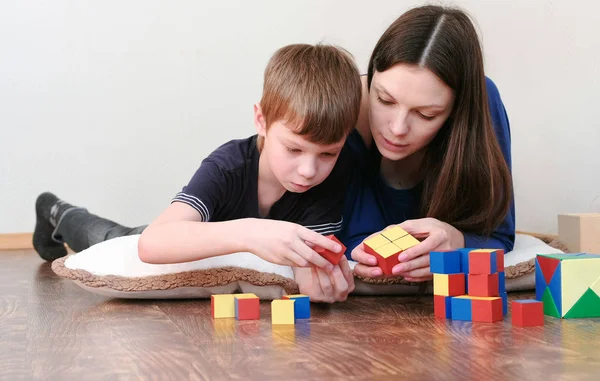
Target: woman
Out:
[436,142]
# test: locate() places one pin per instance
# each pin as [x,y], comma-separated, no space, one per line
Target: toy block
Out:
[449,284]
[580,232]
[301,305]
[387,257]
[442,306]
[406,242]
[567,284]
[444,262]
[482,261]
[483,284]
[222,306]
[486,309]
[527,313]
[332,257]
[282,311]
[501,283]
[370,245]
[247,307]
[504,297]
[461,308]
[393,233]
[464,260]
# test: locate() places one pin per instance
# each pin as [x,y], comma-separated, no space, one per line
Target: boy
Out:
[275,194]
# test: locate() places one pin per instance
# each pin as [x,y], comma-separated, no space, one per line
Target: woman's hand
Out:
[414,262]
[322,286]
[435,235]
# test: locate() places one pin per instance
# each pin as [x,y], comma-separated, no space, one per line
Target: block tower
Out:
[568,284]
[469,284]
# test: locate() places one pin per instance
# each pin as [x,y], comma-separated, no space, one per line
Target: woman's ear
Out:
[259,121]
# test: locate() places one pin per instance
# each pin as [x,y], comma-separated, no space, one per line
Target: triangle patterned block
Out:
[548,266]
[549,305]
[587,306]
[576,278]
[540,281]
[556,291]
[596,286]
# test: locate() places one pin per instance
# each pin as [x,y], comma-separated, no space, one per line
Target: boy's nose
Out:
[308,169]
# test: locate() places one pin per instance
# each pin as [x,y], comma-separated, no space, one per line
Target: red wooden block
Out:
[527,313]
[247,308]
[387,257]
[481,262]
[441,306]
[500,260]
[332,257]
[483,284]
[487,310]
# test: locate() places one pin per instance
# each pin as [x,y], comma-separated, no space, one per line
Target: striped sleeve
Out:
[205,192]
[327,228]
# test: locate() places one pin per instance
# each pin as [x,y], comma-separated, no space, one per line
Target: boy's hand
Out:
[321,286]
[286,243]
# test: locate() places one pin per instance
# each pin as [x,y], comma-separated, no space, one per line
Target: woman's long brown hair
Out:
[467,180]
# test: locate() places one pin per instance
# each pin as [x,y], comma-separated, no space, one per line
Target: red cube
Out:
[332,257]
[527,313]
[486,310]
[483,284]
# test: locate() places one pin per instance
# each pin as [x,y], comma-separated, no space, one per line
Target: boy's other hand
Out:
[286,243]
[327,287]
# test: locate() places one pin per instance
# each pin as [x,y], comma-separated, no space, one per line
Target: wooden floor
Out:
[50,329]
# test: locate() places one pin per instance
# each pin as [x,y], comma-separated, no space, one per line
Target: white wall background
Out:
[113,104]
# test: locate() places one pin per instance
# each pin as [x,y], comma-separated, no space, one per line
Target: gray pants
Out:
[80,229]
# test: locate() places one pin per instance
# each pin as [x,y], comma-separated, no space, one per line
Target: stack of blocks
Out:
[568,284]
[469,284]
[387,245]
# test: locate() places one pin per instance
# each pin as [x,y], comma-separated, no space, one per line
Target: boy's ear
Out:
[259,121]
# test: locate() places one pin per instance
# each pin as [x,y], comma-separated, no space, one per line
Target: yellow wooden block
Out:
[577,275]
[406,242]
[377,241]
[282,312]
[222,306]
[394,233]
[440,284]
[388,250]
[477,297]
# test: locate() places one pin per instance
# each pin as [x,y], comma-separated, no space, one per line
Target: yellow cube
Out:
[406,242]
[377,241]
[388,250]
[222,306]
[394,233]
[282,312]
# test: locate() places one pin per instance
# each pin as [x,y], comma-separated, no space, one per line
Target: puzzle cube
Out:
[282,311]
[527,313]
[222,306]
[247,307]
[483,284]
[449,284]
[477,309]
[485,261]
[301,305]
[444,262]
[332,257]
[442,306]
[387,245]
[568,284]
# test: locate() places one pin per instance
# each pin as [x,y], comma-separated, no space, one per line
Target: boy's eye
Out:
[426,117]
[293,150]
[383,101]
[329,154]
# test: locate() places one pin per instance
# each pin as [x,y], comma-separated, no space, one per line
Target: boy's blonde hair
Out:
[315,88]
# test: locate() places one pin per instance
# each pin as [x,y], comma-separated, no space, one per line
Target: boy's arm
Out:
[179,235]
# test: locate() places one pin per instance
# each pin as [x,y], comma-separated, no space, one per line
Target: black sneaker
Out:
[47,207]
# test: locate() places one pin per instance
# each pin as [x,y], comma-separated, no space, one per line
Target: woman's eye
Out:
[383,101]
[426,117]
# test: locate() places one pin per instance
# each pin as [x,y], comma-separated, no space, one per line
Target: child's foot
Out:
[48,210]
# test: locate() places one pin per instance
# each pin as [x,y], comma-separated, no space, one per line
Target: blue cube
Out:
[461,309]
[501,282]
[504,297]
[444,262]
[301,305]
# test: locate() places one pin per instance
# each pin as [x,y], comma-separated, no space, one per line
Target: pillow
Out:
[113,268]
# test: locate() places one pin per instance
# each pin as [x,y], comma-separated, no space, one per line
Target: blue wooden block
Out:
[444,262]
[504,297]
[464,260]
[301,306]
[501,282]
[461,309]
[449,307]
